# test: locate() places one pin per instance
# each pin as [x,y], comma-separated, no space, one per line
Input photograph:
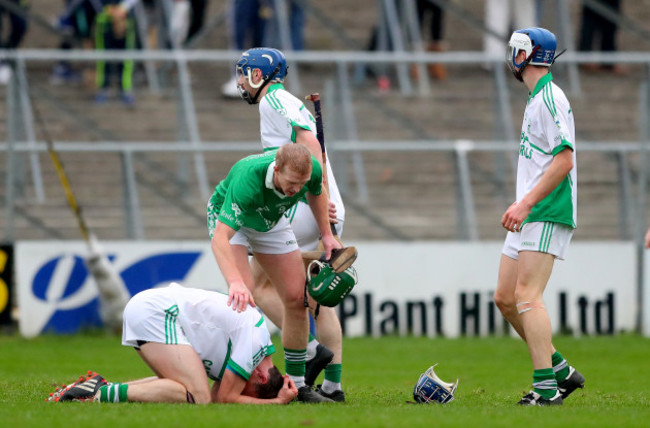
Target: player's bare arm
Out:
[307,139]
[231,390]
[239,296]
[557,171]
[319,207]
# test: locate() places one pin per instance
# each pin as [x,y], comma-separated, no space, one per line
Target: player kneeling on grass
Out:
[186,336]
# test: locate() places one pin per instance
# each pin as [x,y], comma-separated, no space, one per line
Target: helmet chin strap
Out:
[259,86]
[519,73]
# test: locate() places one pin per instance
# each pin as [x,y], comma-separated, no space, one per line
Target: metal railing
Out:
[20,117]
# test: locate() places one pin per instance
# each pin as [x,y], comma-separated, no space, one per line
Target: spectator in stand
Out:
[76,22]
[424,7]
[197,17]
[115,29]
[499,16]
[17,31]
[247,21]
[595,27]
[296,16]
[179,23]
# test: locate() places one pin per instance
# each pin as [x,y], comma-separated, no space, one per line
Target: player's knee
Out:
[505,303]
[295,303]
[294,298]
[199,395]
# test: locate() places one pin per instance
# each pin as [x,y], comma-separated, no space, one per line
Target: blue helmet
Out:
[270,61]
[430,388]
[539,44]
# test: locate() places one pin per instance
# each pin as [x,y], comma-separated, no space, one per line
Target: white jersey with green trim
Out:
[280,114]
[548,128]
[222,338]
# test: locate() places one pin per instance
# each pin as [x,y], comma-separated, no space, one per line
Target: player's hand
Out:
[647,239]
[329,243]
[240,296]
[331,210]
[515,216]
[288,391]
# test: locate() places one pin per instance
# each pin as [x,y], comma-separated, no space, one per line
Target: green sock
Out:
[333,373]
[113,393]
[332,380]
[560,366]
[294,362]
[544,382]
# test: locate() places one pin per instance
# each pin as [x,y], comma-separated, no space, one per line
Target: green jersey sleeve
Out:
[235,204]
[315,183]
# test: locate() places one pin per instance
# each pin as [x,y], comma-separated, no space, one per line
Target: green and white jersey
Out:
[222,338]
[280,113]
[248,198]
[548,128]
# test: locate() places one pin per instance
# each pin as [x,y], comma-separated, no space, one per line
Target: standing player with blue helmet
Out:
[540,223]
[284,119]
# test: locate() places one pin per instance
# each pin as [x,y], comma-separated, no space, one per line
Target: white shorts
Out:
[279,240]
[152,317]
[544,237]
[305,227]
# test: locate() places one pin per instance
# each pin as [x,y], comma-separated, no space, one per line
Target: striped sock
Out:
[294,360]
[332,380]
[544,383]
[560,366]
[113,393]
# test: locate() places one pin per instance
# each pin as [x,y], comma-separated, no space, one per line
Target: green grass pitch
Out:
[378,377]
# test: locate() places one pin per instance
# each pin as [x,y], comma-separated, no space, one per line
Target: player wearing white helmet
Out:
[284,119]
[540,223]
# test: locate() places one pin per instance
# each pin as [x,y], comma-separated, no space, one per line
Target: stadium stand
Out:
[411,194]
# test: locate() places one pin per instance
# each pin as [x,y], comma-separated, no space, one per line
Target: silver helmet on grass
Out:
[431,389]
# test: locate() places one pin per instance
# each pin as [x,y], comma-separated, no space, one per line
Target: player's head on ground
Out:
[292,168]
[257,68]
[530,46]
[265,381]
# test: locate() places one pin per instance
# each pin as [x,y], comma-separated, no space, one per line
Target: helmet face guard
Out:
[430,388]
[269,61]
[327,287]
[539,45]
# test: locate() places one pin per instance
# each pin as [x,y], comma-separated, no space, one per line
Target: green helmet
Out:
[327,287]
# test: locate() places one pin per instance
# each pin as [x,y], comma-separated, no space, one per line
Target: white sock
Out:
[311,349]
[298,380]
[329,386]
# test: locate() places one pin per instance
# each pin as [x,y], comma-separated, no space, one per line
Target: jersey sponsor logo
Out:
[226,215]
[525,151]
[207,365]
[236,209]
[524,147]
